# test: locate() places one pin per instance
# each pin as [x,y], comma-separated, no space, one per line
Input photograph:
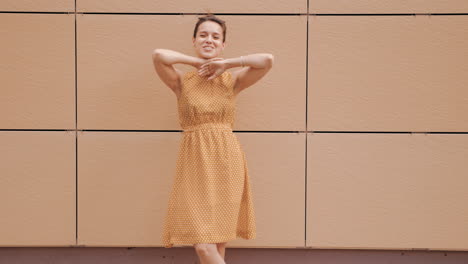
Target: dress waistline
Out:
[210,126]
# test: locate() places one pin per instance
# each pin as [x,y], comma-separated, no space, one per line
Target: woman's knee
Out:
[221,245]
[205,248]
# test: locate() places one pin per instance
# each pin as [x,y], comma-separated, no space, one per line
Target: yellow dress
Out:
[210,200]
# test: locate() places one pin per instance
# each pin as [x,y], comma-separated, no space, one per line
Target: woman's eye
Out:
[216,37]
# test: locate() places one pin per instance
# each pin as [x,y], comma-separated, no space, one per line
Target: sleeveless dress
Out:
[210,200]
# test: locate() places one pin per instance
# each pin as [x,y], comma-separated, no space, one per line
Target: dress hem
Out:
[196,240]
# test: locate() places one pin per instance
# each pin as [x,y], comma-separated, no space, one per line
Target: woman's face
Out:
[209,40]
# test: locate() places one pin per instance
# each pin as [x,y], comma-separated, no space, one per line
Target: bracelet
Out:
[242,61]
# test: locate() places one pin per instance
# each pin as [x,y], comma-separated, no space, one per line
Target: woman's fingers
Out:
[213,76]
[207,70]
[204,69]
[203,72]
[206,73]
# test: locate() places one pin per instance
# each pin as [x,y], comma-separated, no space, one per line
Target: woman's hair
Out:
[213,18]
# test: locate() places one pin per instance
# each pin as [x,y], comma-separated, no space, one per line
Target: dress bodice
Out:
[206,101]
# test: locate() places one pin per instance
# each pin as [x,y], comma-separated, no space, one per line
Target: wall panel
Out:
[388,73]
[387,191]
[187,6]
[387,7]
[118,87]
[37,188]
[124,180]
[38,6]
[37,71]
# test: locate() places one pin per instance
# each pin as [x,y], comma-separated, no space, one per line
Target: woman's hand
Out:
[212,68]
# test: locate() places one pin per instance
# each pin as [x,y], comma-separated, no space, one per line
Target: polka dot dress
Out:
[210,200]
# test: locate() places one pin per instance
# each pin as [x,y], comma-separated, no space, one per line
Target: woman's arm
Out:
[257,60]
[170,57]
[163,59]
[255,67]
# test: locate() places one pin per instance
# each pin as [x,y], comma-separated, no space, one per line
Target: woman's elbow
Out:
[155,53]
[159,55]
[269,60]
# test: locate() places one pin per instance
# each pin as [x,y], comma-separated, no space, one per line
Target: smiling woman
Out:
[209,36]
[210,201]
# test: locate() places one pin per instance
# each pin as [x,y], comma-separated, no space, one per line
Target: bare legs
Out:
[211,253]
[221,248]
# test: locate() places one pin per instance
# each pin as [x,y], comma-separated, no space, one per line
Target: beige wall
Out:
[337,135]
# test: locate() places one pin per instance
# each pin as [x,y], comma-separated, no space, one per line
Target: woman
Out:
[210,201]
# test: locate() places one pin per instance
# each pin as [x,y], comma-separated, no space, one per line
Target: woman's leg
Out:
[221,249]
[208,253]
